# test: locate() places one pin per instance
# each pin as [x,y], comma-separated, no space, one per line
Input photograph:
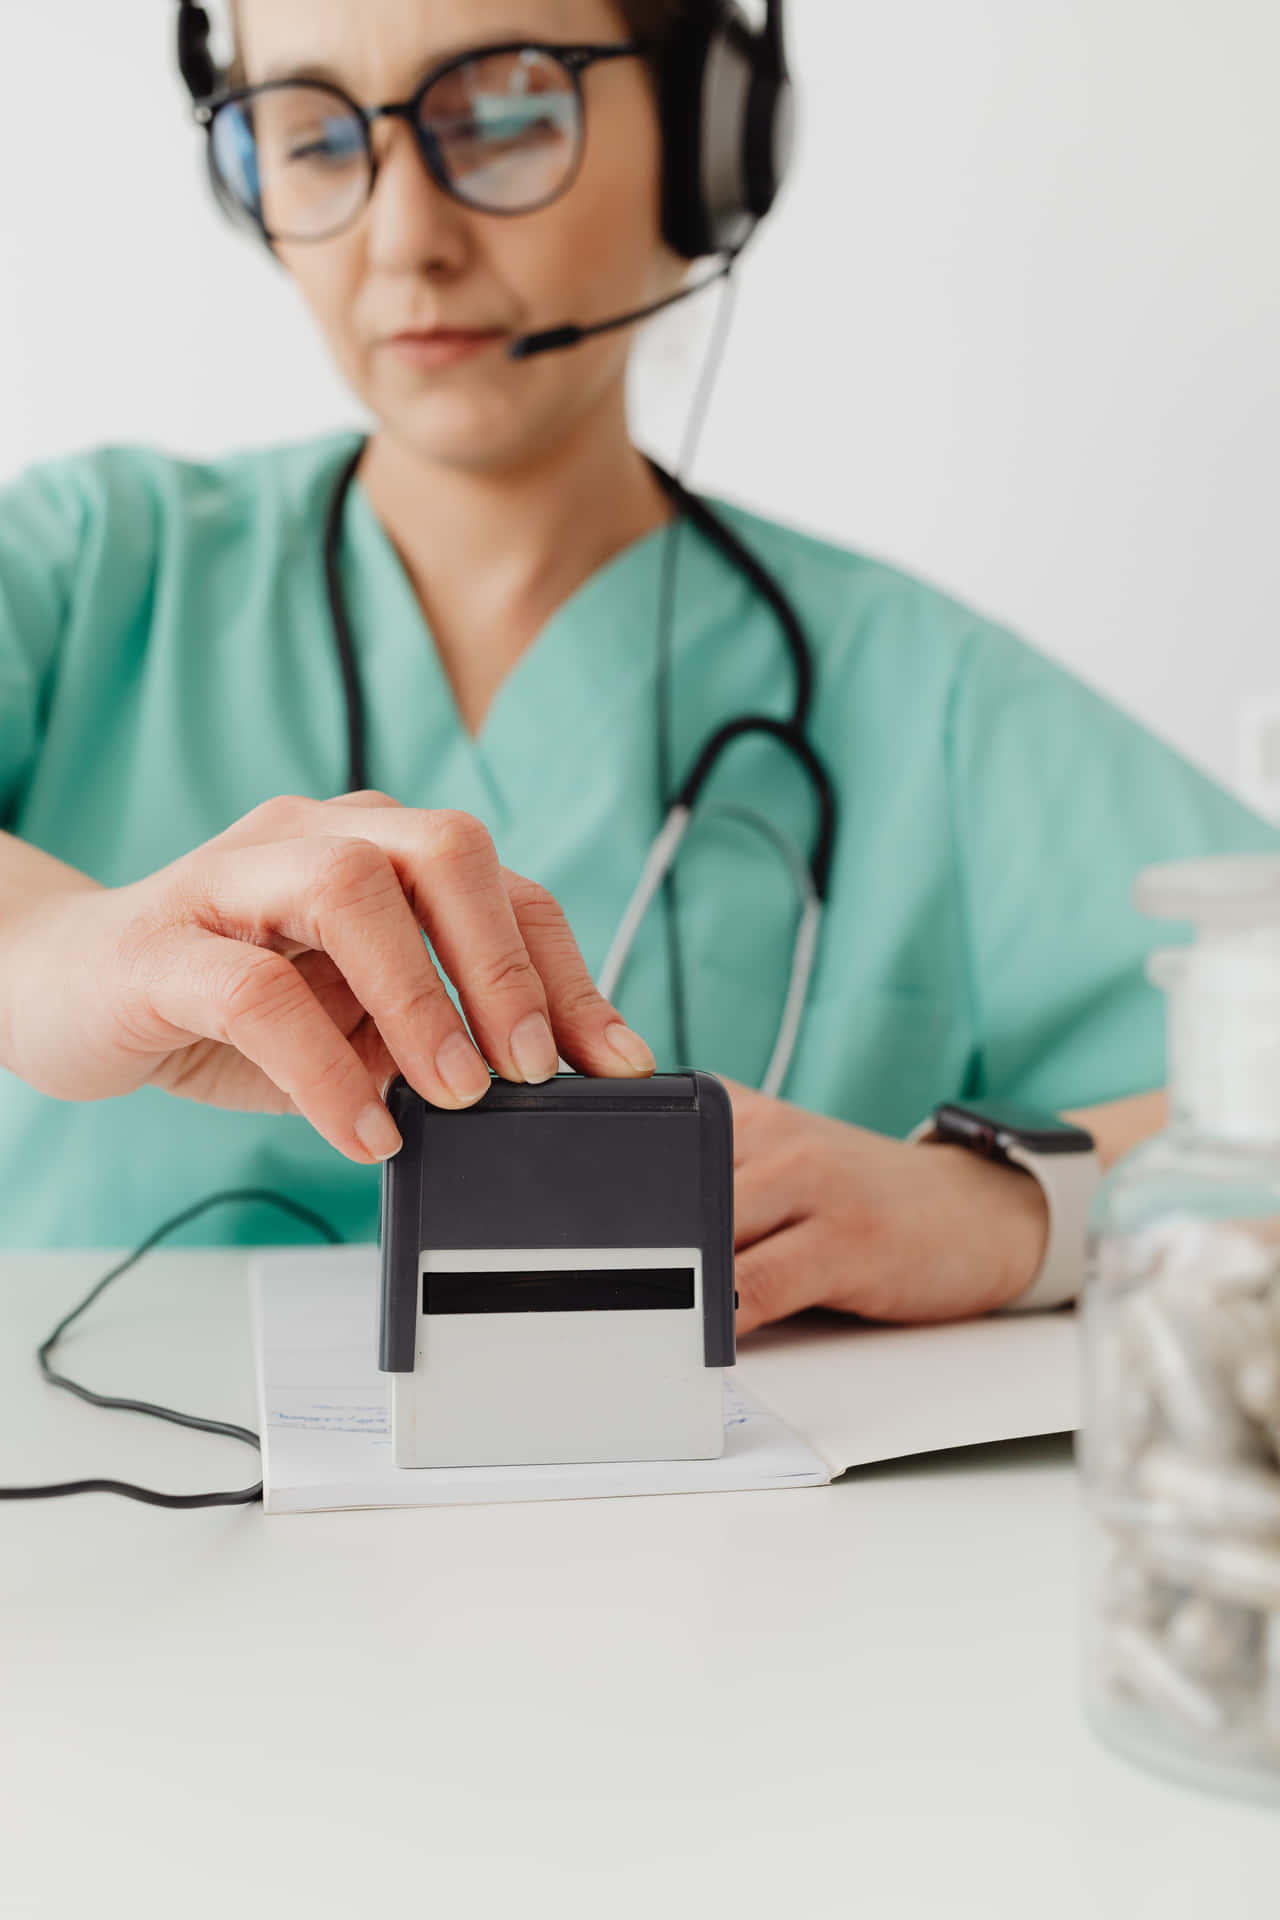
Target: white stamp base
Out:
[542,1388]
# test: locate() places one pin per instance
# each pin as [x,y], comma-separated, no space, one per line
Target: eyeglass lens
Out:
[503,130]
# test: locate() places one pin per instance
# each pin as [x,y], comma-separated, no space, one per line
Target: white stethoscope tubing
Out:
[661,859]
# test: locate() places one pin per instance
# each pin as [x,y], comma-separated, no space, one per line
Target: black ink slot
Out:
[606,1290]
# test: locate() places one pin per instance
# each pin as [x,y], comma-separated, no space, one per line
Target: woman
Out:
[172,926]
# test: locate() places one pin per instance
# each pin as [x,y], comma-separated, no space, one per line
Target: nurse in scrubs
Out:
[211,954]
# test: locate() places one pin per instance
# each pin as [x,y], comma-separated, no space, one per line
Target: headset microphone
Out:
[556,339]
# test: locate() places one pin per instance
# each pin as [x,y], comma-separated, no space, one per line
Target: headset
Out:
[725,104]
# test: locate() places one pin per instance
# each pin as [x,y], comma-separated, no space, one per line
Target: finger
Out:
[448,868]
[257,1002]
[591,1034]
[770,1191]
[219,1076]
[290,816]
[344,897]
[348,1016]
[369,797]
[321,973]
[775,1278]
[755,1116]
[286,816]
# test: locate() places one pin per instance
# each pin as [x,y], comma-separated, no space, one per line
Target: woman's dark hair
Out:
[651,21]
[654,21]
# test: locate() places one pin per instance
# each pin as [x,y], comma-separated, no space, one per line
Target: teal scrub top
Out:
[167,662]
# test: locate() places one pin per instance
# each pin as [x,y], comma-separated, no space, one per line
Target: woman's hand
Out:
[281,968]
[827,1215]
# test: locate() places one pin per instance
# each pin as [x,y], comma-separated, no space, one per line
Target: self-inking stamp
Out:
[557,1272]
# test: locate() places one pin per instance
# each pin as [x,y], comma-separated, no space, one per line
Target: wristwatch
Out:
[1062,1157]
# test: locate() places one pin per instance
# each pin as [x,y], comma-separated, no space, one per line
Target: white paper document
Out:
[809,1400]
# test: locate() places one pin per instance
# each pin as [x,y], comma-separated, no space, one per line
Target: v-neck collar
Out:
[594,653]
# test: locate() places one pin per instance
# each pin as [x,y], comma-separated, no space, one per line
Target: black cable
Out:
[357,773]
[243,1496]
[666,615]
[705,519]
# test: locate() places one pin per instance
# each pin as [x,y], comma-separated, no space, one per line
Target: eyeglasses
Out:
[500,129]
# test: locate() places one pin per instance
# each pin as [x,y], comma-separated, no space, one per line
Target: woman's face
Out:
[418,260]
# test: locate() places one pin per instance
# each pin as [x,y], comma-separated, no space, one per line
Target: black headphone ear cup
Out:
[681,86]
[770,139]
[195,60]
[725,104]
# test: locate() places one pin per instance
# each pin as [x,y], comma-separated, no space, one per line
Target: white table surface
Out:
[853,1699]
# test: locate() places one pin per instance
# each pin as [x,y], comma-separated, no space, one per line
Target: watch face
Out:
[988,1126]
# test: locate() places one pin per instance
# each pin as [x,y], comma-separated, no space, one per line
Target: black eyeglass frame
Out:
[575,59]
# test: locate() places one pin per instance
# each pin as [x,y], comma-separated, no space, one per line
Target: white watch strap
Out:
[1068,1182]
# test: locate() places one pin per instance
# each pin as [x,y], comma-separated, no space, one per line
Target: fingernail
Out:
[630,1047]
[534,1049]
[377,1132]
[462,1070]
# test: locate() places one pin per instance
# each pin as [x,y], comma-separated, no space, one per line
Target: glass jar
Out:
[1179,1448]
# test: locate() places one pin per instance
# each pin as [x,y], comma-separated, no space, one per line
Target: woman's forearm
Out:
[27,878]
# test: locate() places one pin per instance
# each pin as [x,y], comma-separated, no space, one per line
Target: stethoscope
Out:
[811,875]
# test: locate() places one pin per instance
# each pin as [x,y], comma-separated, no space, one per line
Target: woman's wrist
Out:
[1004,1223]
[32,884]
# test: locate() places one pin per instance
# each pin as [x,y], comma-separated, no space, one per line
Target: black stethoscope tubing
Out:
[790,733]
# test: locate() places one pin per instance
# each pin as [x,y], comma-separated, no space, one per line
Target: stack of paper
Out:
[841,1395]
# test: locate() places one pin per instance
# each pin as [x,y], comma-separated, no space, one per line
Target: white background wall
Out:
[1017,325]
